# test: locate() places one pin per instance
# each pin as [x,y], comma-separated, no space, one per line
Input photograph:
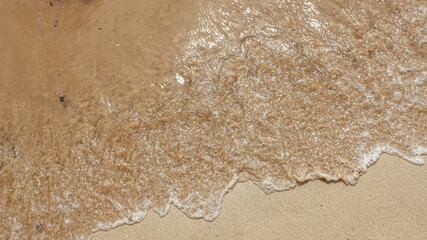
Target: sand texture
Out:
[111,108]
[388,202]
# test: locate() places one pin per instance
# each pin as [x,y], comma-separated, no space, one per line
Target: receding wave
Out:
[277,92]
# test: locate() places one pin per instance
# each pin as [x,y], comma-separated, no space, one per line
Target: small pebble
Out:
[39,227]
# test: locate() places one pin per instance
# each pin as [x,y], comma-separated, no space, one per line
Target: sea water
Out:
[109,109]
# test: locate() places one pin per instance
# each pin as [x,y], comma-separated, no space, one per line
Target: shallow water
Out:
[109,109]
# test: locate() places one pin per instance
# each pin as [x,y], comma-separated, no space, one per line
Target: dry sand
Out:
[388,202]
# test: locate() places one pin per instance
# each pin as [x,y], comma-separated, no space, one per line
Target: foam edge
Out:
[267,185]
[173,200]
[368,159]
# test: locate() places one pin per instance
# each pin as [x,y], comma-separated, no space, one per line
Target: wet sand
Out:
[377,207]
[110,109]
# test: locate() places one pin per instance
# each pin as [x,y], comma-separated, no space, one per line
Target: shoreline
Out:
[375,208]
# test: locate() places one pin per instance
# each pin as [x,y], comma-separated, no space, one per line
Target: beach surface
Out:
[388,202]
[112,109]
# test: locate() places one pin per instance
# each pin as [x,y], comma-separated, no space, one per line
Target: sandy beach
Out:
[111,108]
[388,202]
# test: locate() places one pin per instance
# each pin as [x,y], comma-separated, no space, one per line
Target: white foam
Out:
[369,159]
[132,219]
[213,203]
[270,185]
[194,208]
[180,79]
[184,206]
